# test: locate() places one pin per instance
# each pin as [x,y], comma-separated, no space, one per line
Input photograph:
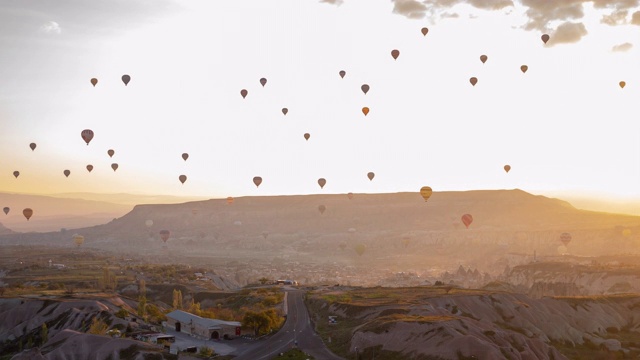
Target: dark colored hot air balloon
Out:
[32,146]
[365,110]
[307,136]
[371,176]
[110,152]
[164,235]
[545,38]
[622,84]
[87,135]
[89,167]
[483,58]
[16,174]
[94,81]
[265,234]
[67,173]
[342,73]
[565,238]
[365,88]
[322,208]
[350,195]
[257,180]
[424,31]
[473,81]
[126,79]
[524,68]
[322,182]
[27,213]
[114,166]
[395,54]
[507,168]
[467,219]
[6,210]
[263,82]
[285,111]
[185,156]
[244,93]
[426,192]
[182,178]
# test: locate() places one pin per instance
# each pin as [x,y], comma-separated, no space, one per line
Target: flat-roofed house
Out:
[188,323]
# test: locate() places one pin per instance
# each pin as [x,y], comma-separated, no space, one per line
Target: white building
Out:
[188,323]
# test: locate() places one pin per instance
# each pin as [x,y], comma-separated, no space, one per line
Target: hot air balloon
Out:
[66,173]
[148,224]
[237,223]
[467,219]
[371,176]
[244,93]
[263,82]
[322,208]
[483,58]
[365,88]
[16,174]
[405,241]
[545,38]
[89,167]
[110,152]
[27,213]
[114,166]
[164,235]
[350,195]
[473,81]
[622,84]
[426,192]
[524,68]
[285,111]
[565,238]
[342,73]
[185,156]
[94,81]
[126,79]
[78,239]
[6,210]
[626,232]
[307,136]
[507,168]
[424,31]
[182,178]
[87,135]
[194,211]
[395,54]
[229,200]
[352,230]
[360,248]
[365,110]
[322,182]
[32,146]
[265,234]
[257,180]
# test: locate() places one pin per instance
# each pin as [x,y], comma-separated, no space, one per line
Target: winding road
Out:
[297,329]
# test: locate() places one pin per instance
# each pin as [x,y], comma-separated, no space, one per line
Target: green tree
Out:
[206,351]
[263,280]
[44,333]
[142,306]
[98,327]
[195,308]
[262,322]
[142,287]
[29,342]
[177,299]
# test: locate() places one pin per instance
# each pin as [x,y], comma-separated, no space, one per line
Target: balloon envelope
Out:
[32,146]
[94,81]
[89,167]
[467,219]
[164,235]
[148,223]
[507,168]
[524,68]
[67,173]
[365,88]
[473,81]
[126,79]
[424,31]
[350,195]
[426,192]
[78,239]
[27,213]
[257,180]
[360,248]
[263,82]
[371,176]
[545,38]
[395,53]
[365,110]
[285,111]
[565,238]
[6,210]
[244,93]
[182,178]
[622,84]
[307,136]
[322,208]
[16,174]
[114,166]
[322,182]
[483,58]
[342,73]
[229,200]
[110,152]
[185,156]
[87,135]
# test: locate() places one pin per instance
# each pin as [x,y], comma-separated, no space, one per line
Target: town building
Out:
[182,321]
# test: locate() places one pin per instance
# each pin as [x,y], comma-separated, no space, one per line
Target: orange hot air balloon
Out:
[350,195]
[257,180]
[67,173]
[371,176]
[622,84]
[126,79]
[342,73]
[263,82]
[6,210]
[365,88]
[27,213]
[365,110]
[307,136]
[322,208]
[229,200]
[405,241]
[322,182]
[16,174]
[467,219]
[185,156]
[524,68]
[483,58]
[395,53]
[164,235]
[110,152]
[426,192]
[473,81]
[78,239]
[285,111]
[424,31]
[114,166]
[545,38]
[182,178]
[360,248]
[89,167]
[94,81]
[565,238]
[244,93]
[87,135]
[507,168]
[32,146]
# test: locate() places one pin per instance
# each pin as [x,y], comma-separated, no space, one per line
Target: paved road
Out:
[296,329]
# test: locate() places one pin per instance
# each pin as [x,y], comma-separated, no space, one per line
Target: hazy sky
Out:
[564,125]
